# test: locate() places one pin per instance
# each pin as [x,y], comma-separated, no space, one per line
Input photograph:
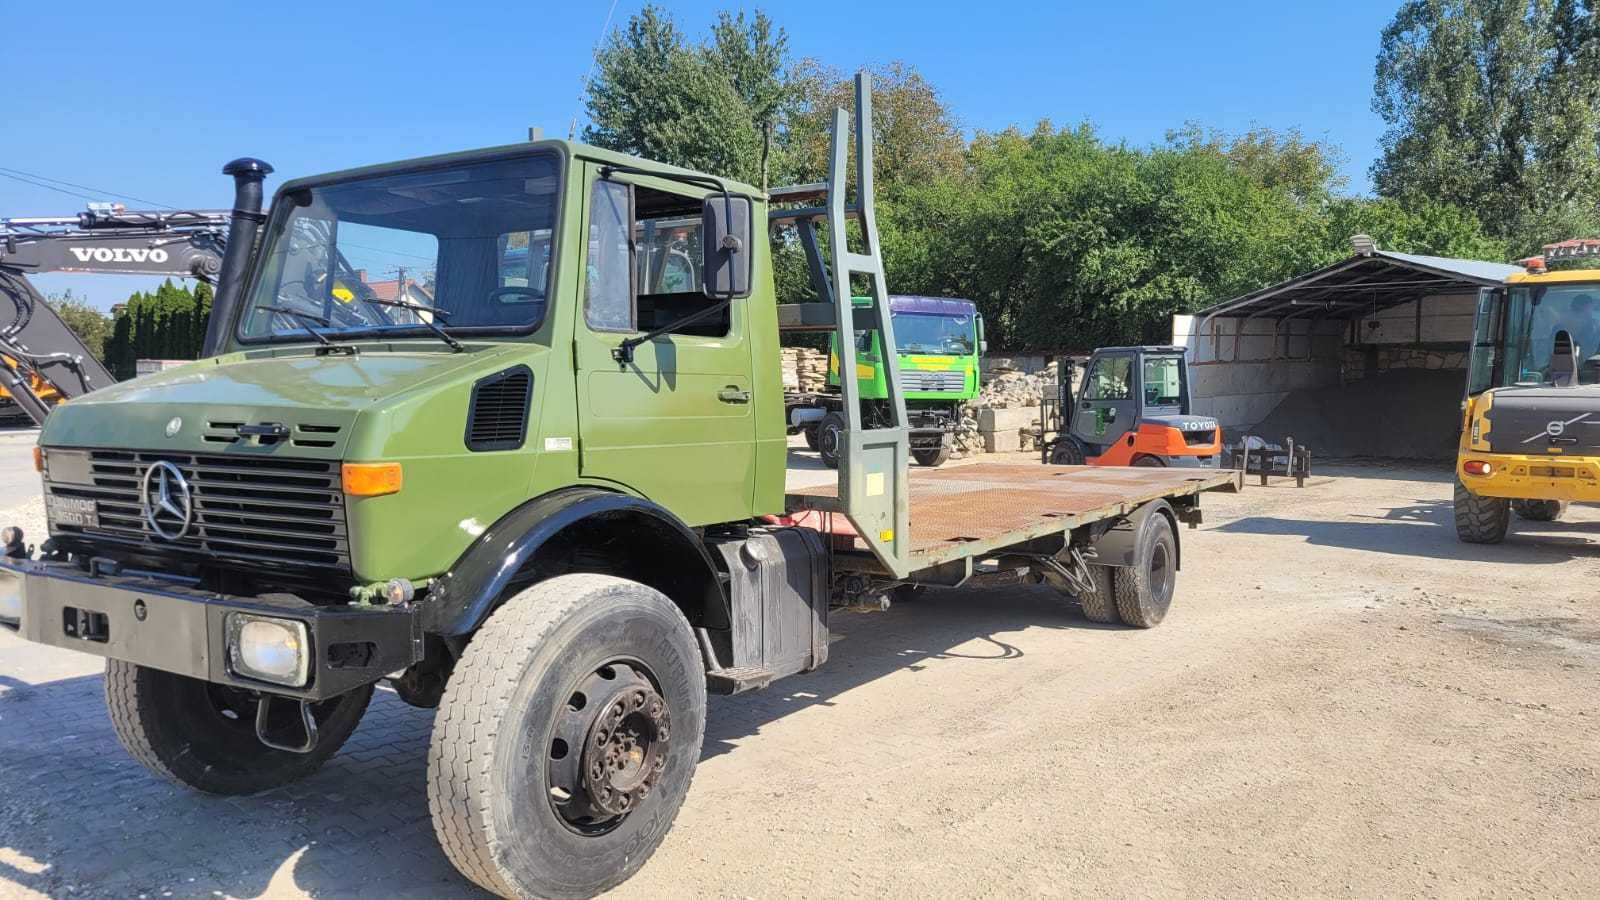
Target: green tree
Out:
[167,324]
[915,135]
[90,325]
[714,107]
[1494,106]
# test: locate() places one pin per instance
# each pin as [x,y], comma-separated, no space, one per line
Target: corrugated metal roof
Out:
[1481,270]
[1363,284]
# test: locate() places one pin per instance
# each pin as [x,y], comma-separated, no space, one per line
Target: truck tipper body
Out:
[506,428]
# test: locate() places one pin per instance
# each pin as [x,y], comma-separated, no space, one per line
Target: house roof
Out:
[1362,284]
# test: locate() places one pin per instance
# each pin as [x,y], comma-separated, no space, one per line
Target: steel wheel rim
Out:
[609,747]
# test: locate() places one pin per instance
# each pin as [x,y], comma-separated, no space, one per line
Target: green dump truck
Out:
[505,428]
[938,341]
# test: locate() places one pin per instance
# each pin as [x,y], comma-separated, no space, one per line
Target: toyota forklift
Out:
[1134,410]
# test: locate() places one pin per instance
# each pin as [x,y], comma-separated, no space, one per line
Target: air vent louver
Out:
[497,418]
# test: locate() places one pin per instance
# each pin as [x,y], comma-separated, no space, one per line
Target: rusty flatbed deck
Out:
[962,511]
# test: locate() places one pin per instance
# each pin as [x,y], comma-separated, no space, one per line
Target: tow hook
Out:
[307,722]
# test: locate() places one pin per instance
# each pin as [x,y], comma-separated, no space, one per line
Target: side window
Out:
[1161,387]
[668,235]
[1485,340]
[1109,379]
[608,302]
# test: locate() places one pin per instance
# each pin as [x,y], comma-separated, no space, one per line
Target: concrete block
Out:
[992,420]
[1001,441]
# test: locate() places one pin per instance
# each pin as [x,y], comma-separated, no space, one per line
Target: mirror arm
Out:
[624,351]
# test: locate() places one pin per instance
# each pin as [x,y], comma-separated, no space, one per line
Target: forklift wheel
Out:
[931,456]
[1066,453]
[1151,461]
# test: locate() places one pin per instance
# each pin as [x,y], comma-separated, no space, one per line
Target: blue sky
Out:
[150,102]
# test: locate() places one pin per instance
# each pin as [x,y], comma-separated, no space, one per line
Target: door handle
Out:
[732,394]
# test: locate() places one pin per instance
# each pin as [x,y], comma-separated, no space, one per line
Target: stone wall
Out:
[1366,362]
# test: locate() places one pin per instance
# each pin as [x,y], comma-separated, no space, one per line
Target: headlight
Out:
[10,597]
[275,650]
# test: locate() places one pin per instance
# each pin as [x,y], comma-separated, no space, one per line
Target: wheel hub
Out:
[610,747]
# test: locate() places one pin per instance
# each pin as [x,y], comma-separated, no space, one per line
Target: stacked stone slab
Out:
[804,370]
[1006,415]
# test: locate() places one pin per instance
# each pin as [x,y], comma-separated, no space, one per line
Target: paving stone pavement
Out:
[79,818]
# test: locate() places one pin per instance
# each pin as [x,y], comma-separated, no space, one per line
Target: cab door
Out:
[1108,407]
[675,423]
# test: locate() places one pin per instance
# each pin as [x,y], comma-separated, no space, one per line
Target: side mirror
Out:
[725,234]
[983,343]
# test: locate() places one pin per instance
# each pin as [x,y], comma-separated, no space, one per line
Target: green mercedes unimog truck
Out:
[506,429]
[939,343]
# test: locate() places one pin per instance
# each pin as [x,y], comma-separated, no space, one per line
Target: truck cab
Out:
[1530,436]
[939,344]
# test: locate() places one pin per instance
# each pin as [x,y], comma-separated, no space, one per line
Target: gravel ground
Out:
[1344,701]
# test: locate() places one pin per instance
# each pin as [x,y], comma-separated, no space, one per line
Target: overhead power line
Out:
[20,175]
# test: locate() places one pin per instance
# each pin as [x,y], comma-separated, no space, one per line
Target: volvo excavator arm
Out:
[42,361]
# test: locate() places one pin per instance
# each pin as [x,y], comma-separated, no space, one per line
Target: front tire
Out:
[830,431]
[1067,452]
[203,736]
[1481,520]
[567,738]
[1144,590]
[1538,510]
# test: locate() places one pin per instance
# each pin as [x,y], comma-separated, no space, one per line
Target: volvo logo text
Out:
[168,505]
[119,254]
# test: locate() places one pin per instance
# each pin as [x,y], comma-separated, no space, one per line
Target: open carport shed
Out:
[1365,357]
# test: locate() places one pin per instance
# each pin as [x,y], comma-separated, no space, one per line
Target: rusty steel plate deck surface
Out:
[961,510]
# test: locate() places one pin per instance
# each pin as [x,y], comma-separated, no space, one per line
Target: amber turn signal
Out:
[371,479]
[38,458]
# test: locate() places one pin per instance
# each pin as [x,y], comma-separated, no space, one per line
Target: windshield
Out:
[468,246]
[923,333]
[1535,315]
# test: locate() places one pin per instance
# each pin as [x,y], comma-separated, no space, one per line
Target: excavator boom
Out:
[42,362]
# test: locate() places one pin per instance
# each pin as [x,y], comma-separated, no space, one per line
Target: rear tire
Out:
[1151,462]
[1538,510]
[1100,605]
[810,433]
[829,432]
[1144,590]
[1481,520]
[203,736]
[538,681]
[932,456]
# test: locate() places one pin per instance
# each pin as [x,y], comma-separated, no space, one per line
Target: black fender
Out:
[1119,545]
[669,557]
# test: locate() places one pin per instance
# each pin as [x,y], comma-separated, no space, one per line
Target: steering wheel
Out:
[533,295]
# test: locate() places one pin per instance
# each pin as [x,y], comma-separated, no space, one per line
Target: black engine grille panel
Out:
[246,508]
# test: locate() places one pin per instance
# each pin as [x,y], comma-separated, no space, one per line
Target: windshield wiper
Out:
[303,318]
[427,323]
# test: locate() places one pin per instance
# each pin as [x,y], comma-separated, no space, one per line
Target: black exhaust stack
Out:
[243,225]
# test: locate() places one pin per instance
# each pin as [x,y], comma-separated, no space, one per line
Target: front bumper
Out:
[1512,476]
[164,625]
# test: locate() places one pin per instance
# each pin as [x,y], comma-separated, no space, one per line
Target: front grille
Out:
[246,508]
[934,381]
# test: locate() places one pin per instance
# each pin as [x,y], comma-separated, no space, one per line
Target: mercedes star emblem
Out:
[168,506]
